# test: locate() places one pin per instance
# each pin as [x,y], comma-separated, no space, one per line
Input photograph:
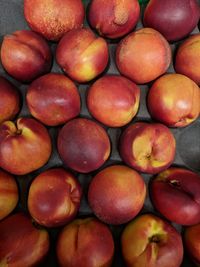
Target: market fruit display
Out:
[99,133]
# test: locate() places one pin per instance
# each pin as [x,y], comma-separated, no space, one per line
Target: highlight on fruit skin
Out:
[53,19]
[94,244]
[25,55]
[113,18]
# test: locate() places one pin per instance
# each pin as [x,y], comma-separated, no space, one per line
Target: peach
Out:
[54,197]
[21,243]
[53,19]
[9,100]
[120,100]
[143,55]
[173,18]
[24,146]
[151,241]
[116,194]
[147,147]
[188,58]
[174,100]
[114,18]
[175,194]
[192,241]
[25,55]
[8,194]
[83,145]
[53,99]
[87,242]
[82,55]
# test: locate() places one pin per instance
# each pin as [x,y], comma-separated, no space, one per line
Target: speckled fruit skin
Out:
[53,19]
[54,197]
[191,241]
[187,59]
[148,148]
[173,18]
[151,241]
[116,194]
[25,55]
[113,100]
[53,99]
[21,243]
[88,242]
[143,55]
[9,100]
[8,194]
[24,146]
[83,145]
[82,55]
[174,100]
[175,193]
[114,18]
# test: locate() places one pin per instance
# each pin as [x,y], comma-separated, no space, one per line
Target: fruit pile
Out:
[99,133]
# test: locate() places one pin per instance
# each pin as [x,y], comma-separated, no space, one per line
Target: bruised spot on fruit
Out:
[121,13]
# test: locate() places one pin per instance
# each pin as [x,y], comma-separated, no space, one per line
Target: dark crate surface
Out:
[188,138]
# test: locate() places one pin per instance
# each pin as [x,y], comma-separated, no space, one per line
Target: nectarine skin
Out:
[54,197]
[173,18]
[53,99]
[82,55]
[113,18]
[192,241]
[113,100]
[25,55]
[187,59]
[24,147]
[8,194]
[147,147]
[83,145]
[85,242]
[143,55]
[174,100]
[9,100]
[21,243]
[175,194]
[53,19]
[116,194]
[151,241]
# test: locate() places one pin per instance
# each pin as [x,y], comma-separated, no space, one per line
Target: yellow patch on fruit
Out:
[142,147]
[86,71]
[106,155]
